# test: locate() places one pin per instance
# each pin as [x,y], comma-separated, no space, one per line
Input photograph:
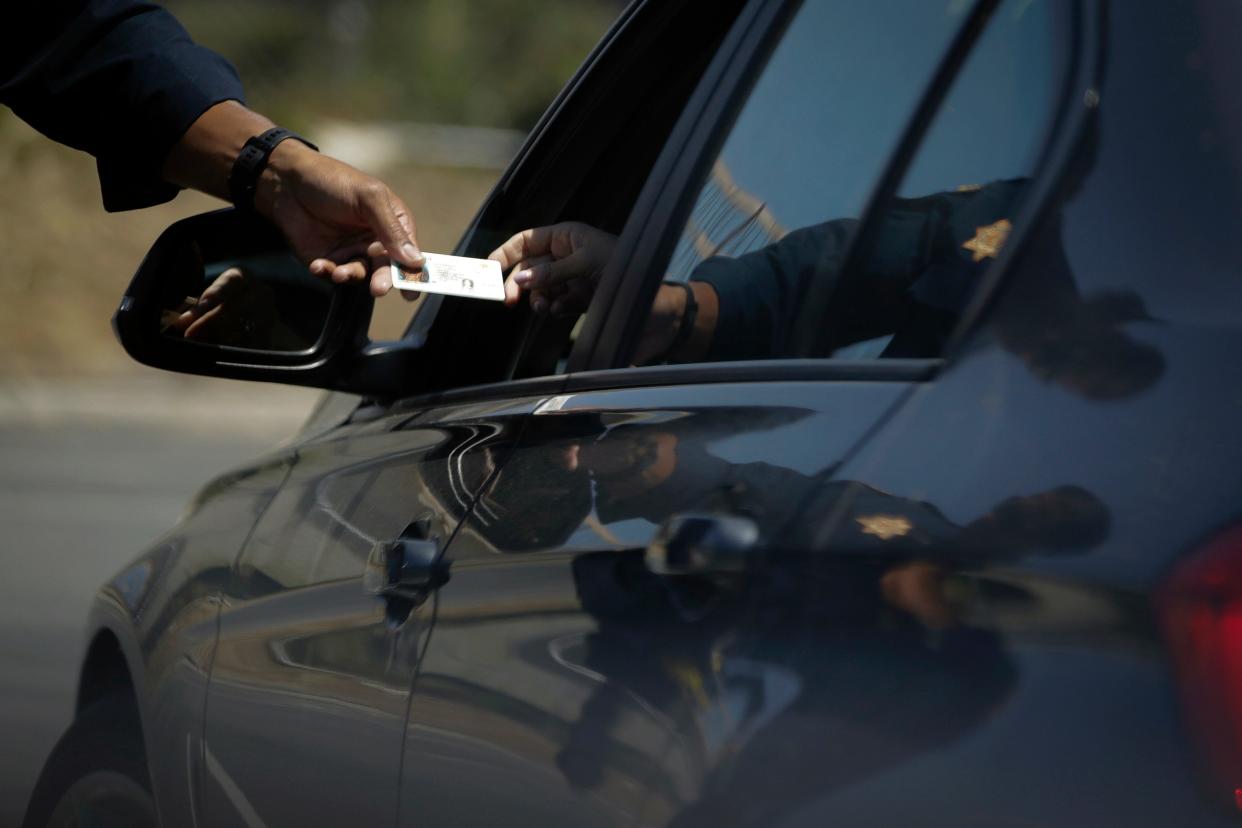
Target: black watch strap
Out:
[251,161]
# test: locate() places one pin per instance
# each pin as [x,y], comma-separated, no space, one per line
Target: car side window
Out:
[781,205]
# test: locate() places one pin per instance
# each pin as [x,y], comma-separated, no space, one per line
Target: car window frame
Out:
[670,189]
[670,193]
[1064,147]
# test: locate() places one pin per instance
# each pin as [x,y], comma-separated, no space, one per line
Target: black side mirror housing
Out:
[220,294]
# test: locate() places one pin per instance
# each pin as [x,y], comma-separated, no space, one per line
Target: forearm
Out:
[705,323]
[668,315]
[203,158]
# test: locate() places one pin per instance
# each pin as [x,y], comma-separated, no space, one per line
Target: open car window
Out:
[587,161]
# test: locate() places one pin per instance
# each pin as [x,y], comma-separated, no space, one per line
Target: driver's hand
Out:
[559,265]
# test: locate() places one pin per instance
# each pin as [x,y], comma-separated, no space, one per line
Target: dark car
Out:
[942,527]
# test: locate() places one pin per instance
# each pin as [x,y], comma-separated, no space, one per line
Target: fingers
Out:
[513,292]
[381,279]
[552,284]
[391,222]
[203,323]
[381,269]
[515,250]
[338,272]
[341,266]
[176,319]
[543,301]
[358,262]
[350,271]
[551,273]
[201,316]
[228,281]
[573,301]
[556,264]
[514,286]
[528,244]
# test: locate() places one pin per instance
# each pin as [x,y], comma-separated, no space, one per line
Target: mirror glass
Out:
[261,301]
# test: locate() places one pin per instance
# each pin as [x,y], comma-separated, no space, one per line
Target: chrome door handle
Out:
[703,543]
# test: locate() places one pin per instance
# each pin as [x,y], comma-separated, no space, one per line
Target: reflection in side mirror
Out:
[221,294]
[262,302]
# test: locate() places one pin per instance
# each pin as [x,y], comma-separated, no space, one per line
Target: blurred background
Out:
[98,454]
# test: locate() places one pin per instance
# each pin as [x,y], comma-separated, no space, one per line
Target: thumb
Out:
[390,220]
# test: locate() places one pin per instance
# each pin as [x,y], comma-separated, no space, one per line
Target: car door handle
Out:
[407,568]
[702,544]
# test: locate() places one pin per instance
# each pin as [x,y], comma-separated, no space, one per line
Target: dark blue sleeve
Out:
[119,79]
[915,257]
[759,291]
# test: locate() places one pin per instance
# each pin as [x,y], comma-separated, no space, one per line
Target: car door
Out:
[318,637]
[606,644]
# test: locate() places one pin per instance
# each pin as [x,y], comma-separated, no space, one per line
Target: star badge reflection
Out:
[989,240]
[884,527]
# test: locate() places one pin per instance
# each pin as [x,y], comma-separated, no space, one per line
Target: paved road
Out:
[87,480]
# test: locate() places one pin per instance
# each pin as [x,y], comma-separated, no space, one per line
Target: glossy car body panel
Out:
[162,610]
[306,651]
[554,666]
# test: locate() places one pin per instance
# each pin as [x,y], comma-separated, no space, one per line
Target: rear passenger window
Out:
[781,205]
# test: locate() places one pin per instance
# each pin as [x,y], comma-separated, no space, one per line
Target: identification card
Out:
[455,276]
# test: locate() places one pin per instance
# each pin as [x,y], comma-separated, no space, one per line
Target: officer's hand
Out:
[559,265]
[345,224]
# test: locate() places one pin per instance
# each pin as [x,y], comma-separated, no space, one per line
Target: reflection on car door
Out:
[565,679]
[306,706]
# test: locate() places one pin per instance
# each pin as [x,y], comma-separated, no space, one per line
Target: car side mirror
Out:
[221,294]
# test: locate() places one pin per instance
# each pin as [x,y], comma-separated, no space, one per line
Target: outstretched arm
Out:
[122,80]
[343,223]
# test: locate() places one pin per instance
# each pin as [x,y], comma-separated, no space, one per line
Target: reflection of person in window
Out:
[622,472]
[923,265]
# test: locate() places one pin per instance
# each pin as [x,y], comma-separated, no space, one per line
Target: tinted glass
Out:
[781,204]
[930,244]
[819,124]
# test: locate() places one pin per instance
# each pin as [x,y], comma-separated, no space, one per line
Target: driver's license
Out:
[454,275]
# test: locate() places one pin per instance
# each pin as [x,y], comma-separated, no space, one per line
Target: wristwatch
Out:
[686,328]
[252,160]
